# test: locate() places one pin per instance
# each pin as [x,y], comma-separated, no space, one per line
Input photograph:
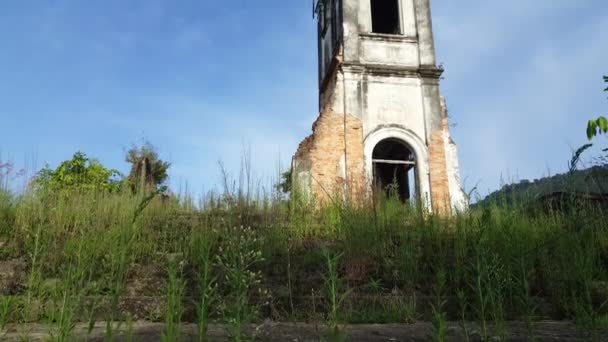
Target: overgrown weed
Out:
[238,257]
[174,308]
[336,295]
[500,258]
[202,249]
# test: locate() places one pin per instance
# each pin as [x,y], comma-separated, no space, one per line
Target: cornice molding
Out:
[429,72]
[388,37]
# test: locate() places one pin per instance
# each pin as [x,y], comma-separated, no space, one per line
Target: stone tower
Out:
[383,124]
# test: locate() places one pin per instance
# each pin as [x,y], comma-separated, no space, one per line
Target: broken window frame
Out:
[411,165]
[398,19]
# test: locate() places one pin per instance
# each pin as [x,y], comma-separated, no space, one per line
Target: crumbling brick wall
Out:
[332,156]
[440,190]
[330,162]
[355,158]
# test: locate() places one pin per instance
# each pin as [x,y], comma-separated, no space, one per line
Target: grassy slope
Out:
[503,262]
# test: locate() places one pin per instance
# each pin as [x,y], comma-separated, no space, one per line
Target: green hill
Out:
[592,181]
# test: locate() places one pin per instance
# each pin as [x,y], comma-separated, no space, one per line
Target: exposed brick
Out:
[440,191]
[337,141]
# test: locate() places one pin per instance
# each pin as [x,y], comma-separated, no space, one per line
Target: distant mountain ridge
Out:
[593,181]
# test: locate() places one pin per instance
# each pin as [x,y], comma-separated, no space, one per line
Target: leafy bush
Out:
[80,173]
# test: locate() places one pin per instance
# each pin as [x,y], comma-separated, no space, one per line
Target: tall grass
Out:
[202,247]
[439,318]
[174,307]
[6,304]
[501,260]
[238,257]
[336,295]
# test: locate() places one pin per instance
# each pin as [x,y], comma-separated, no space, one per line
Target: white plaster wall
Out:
[302,179]
[408,18]
[457,196]
[393,101]
[337,98]
[401,53]
[352,82]
[353,96]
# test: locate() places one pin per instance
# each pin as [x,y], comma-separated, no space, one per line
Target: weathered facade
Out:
[383,123]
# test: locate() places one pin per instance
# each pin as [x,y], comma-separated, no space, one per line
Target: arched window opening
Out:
[394,166]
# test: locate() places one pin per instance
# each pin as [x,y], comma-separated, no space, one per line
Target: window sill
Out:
[388,37]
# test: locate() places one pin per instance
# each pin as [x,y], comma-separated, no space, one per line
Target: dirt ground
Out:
[146,331]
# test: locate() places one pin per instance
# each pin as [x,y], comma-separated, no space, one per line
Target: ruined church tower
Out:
[383,124]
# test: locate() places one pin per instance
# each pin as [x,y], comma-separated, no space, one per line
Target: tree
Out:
[80,173]
[599,125]
[148,171]
[285,185]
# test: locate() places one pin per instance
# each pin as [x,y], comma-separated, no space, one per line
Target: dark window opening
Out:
[322,20]
[327,15]
[395,169]
[385,16]
[334,22]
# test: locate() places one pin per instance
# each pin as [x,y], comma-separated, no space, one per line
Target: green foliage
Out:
[498,259]
[390,309]
[285,184]
[174,308]
[596,127]
[202,247]
[123,241]
[576,157]
[336,295]
[80,173]
[129,332]
[463,309]
[593,180]
[6,304]
[374,285]
[525,300]
[599,125]
[148,171]
[7,214]
[238,257]
[439,318]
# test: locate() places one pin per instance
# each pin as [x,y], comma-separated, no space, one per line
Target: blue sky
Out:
[205,80]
